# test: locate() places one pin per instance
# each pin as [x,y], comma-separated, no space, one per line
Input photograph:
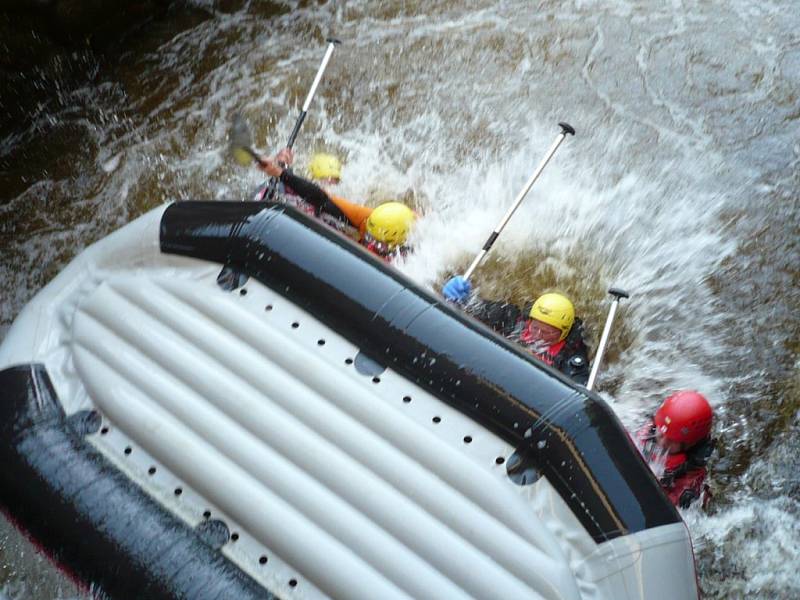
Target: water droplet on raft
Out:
[541,444]
[528,432]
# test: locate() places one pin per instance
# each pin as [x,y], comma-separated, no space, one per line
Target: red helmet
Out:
[684,417]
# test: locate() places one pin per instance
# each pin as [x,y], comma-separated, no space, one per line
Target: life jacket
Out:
[375,247]
[678,473]
[549,355]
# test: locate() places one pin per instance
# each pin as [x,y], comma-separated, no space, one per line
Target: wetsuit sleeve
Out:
[312,193]
[357,214]
[500,316]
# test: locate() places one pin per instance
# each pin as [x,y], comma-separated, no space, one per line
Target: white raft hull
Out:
[332,476]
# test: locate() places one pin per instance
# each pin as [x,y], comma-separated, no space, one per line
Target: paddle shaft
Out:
[565,129]
[332,43]
[618,294]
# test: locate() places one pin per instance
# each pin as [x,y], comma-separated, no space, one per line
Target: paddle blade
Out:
[242,156]
[241,140]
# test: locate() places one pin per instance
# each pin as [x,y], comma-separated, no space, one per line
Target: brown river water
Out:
[682,186]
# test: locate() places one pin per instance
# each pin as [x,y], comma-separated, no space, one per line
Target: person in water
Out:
[550,331]
[678,438]
[383,230]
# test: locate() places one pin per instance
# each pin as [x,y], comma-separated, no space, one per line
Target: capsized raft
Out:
[316,426]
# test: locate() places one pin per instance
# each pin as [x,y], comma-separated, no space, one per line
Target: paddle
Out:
[565,129]
[241,141]
[332,43]
[618,295]
[241,147]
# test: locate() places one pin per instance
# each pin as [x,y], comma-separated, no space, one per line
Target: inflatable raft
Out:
[312,424]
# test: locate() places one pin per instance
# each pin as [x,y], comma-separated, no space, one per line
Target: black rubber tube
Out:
[91,517]
[561,430]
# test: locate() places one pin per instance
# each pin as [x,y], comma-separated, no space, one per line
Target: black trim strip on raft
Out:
[564,432]
[93,518]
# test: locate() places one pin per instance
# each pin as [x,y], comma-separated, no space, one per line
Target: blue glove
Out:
[457,289]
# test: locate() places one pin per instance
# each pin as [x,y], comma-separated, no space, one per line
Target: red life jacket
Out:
[680,474]
[549,355]
[372,246]
[378,249]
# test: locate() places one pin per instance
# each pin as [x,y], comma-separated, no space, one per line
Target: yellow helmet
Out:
[390,223]
[556,310]
[325,166]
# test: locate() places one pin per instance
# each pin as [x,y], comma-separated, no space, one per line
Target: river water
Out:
[682,186]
